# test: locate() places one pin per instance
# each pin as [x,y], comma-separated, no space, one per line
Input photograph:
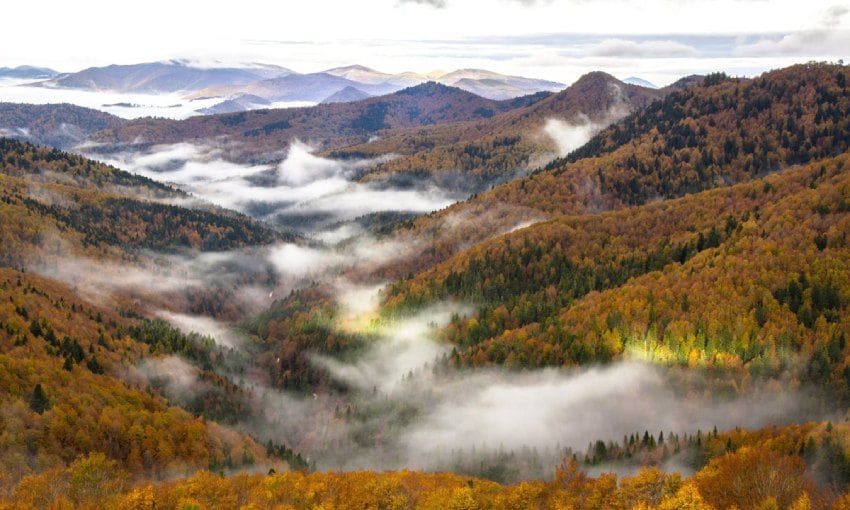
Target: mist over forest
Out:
[401,259]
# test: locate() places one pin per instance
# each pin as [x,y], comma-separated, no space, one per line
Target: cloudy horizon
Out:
[557,40]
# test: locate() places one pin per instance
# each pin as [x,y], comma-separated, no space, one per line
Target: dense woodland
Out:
[763,471]
[711,133]
[725,131]
[47,193]
[595,287]
[589,288]
[706,233]
[64,395]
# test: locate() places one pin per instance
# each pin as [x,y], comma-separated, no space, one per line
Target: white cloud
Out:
[834,15]
[301,167]
[641,49]
[129,106]
[437,4]
[388,35]
[301,261]
[219,332]
[569,136]
[811,43]
[178,378]
[489,410]
[401,348]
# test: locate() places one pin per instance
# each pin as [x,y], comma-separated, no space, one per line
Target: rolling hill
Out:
[74,360]
[45,190]
[239,103]
[496,86]
[58,125]
[363,74]
[312,87]
[64,378]
[720,133]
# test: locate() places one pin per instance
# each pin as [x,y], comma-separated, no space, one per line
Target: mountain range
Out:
[275,83]
[319,86]
[324,126]
[432,128]
[634,80]
[697,233]
[493,149]
[161,77]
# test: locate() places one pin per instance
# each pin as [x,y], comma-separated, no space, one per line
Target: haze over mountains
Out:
[171,76]
[375,128]
[325,126]
[274,83]
[430,279]
[425,255]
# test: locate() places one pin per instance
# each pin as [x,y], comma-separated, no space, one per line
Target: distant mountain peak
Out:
[353,67]
[640,82]
[471,74]
[346,95]
[687,81]
[596,77]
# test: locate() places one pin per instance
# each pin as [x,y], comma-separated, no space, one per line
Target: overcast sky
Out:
[659,40]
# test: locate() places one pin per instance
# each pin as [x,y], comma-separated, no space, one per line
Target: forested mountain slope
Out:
[749,276]
[46,191]
[66,392]
[716,134]
[486,151]
[75,382]
[56,125]
[705,233]
[768,468]
[724,132]
[548,294]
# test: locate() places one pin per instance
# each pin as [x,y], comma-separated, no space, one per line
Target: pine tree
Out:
[38,399]
[94,366]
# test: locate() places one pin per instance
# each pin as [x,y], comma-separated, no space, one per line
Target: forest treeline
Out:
[762,476]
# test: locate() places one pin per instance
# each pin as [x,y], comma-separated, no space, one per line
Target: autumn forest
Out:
[248,286]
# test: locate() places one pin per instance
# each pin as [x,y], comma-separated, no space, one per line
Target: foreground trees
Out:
[751,478]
